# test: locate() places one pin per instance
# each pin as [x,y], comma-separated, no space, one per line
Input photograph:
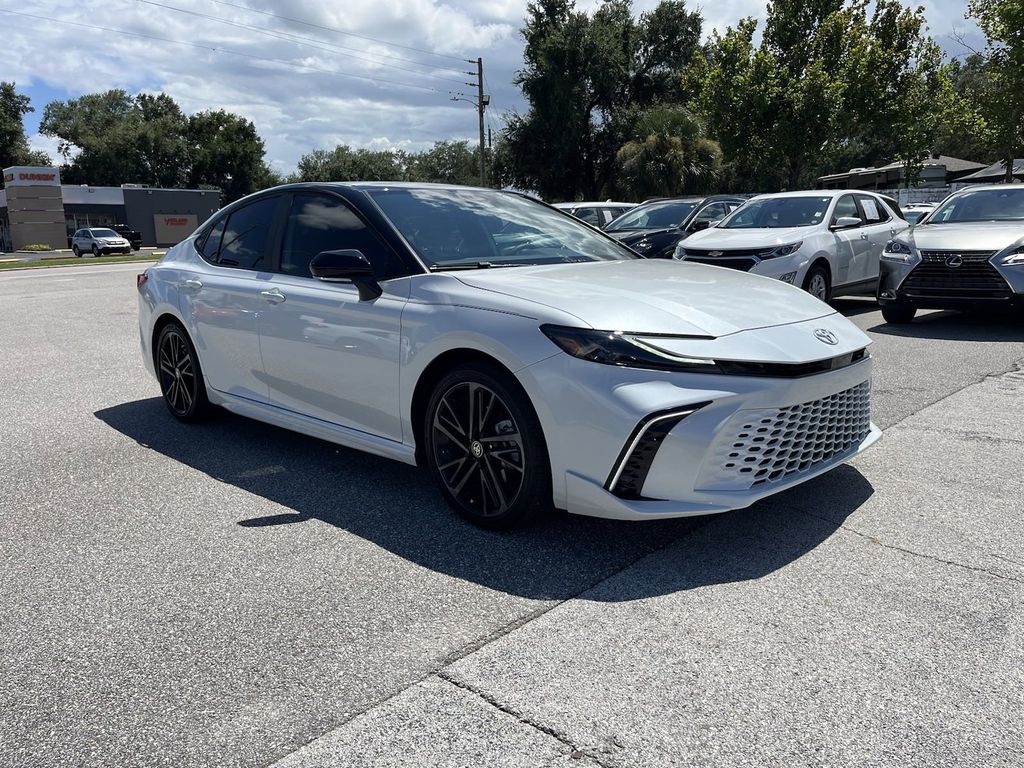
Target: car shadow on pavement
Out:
[398,508]
[959,326]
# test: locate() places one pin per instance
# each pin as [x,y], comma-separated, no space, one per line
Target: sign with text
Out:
[174,227]
[31,176]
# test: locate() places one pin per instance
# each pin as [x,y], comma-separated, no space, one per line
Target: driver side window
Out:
[847,208]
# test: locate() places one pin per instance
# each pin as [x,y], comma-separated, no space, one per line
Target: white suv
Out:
[98,241]
[829,242]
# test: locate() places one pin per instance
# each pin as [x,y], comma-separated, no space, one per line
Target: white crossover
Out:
[528,359]
[827,242]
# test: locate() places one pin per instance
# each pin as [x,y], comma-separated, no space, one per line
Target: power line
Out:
[311,42]
[310,67]
[340,31]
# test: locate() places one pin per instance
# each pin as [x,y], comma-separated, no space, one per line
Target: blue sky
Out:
[338,96]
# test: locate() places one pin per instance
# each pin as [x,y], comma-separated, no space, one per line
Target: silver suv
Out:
[98,241]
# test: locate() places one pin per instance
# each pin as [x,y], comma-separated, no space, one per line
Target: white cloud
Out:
[342,95]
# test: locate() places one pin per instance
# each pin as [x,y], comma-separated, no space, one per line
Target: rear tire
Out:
[818,284]
[898,314]
[180,376]
[485,448]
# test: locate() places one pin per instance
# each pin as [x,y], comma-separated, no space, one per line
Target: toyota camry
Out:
[527,359]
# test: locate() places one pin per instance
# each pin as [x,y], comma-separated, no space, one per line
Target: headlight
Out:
[679,252]
[617,348]
[1015,258]
[782,250]
[898,251]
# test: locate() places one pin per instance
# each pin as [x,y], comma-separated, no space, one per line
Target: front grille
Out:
[721,261]
[972,277]
[769,445]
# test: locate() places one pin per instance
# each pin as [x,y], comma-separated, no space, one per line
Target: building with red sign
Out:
[35,208]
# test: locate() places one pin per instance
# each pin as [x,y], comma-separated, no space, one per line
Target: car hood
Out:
[654,296]
[972,236]
[747,238]
[630,236]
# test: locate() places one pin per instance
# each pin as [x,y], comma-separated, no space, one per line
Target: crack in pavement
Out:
[575,751]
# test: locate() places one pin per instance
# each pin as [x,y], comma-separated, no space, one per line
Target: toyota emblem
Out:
[826,336]
[954,261]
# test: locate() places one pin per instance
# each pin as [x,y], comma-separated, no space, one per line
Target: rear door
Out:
[221,301]
[880,226]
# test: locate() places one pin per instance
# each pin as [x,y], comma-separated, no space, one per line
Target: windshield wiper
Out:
[473,265]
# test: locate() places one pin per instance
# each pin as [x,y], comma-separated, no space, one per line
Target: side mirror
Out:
[697,226]
[350,265]
[845,222]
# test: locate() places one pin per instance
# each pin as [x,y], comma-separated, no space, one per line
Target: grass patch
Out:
[73,262]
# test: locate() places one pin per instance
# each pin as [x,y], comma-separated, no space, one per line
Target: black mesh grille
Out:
[955,274]
[722,261]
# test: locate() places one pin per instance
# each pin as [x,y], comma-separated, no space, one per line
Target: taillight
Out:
[140,280]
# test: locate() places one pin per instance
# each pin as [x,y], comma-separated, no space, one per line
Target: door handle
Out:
[274,296]
[192,284]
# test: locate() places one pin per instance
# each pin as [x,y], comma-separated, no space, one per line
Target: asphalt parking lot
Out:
[233,594]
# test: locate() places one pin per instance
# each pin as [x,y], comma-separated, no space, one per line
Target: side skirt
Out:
[306,425]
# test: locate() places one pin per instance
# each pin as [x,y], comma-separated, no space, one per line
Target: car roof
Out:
[585,203]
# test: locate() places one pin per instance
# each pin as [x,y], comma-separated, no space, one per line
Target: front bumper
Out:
[590,413]
[1004,289]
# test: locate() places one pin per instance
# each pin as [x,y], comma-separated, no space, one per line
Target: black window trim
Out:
[273,237]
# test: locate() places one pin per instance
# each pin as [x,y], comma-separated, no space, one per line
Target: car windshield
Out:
[981,205]
[778,212]
[466,228]
[667,213]
[103,233]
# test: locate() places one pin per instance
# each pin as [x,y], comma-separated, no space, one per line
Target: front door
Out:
[327,354]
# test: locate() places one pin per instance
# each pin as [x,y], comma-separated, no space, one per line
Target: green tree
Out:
[346,164]
[1002,97]
[225,153]
[14,149]
[829,82]
[447,162]
[585,78]
[963,132]
[669,156]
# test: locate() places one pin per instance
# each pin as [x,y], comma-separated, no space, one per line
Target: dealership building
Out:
[35,208]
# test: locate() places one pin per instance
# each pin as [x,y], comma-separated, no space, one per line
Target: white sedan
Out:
[529,360]
[827,242]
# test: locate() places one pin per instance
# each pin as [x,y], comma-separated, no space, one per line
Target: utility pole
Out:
[481,102]
[480,107]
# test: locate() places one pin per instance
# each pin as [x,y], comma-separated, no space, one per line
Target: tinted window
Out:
[779,212]
[589,215]
[846,207]
[874,211]
[211,245]
[712,212]
[319,223]
[668,213]
[104,233]
[244,244]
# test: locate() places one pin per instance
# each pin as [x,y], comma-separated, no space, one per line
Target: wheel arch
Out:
[435,371]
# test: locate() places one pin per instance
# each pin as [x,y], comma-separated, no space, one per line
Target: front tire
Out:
[74,250]
[95,251]
[818,284]
[181,378]
[898,314]
[484,445]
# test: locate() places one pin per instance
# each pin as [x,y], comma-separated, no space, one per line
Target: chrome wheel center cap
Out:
[477,449]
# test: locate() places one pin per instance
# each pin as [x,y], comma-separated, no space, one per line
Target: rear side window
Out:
[246,234]
[874,211]
[210,245]
[319,223]
[589,215]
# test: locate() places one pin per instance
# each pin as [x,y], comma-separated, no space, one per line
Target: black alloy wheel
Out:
[181,379]
[485,448]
